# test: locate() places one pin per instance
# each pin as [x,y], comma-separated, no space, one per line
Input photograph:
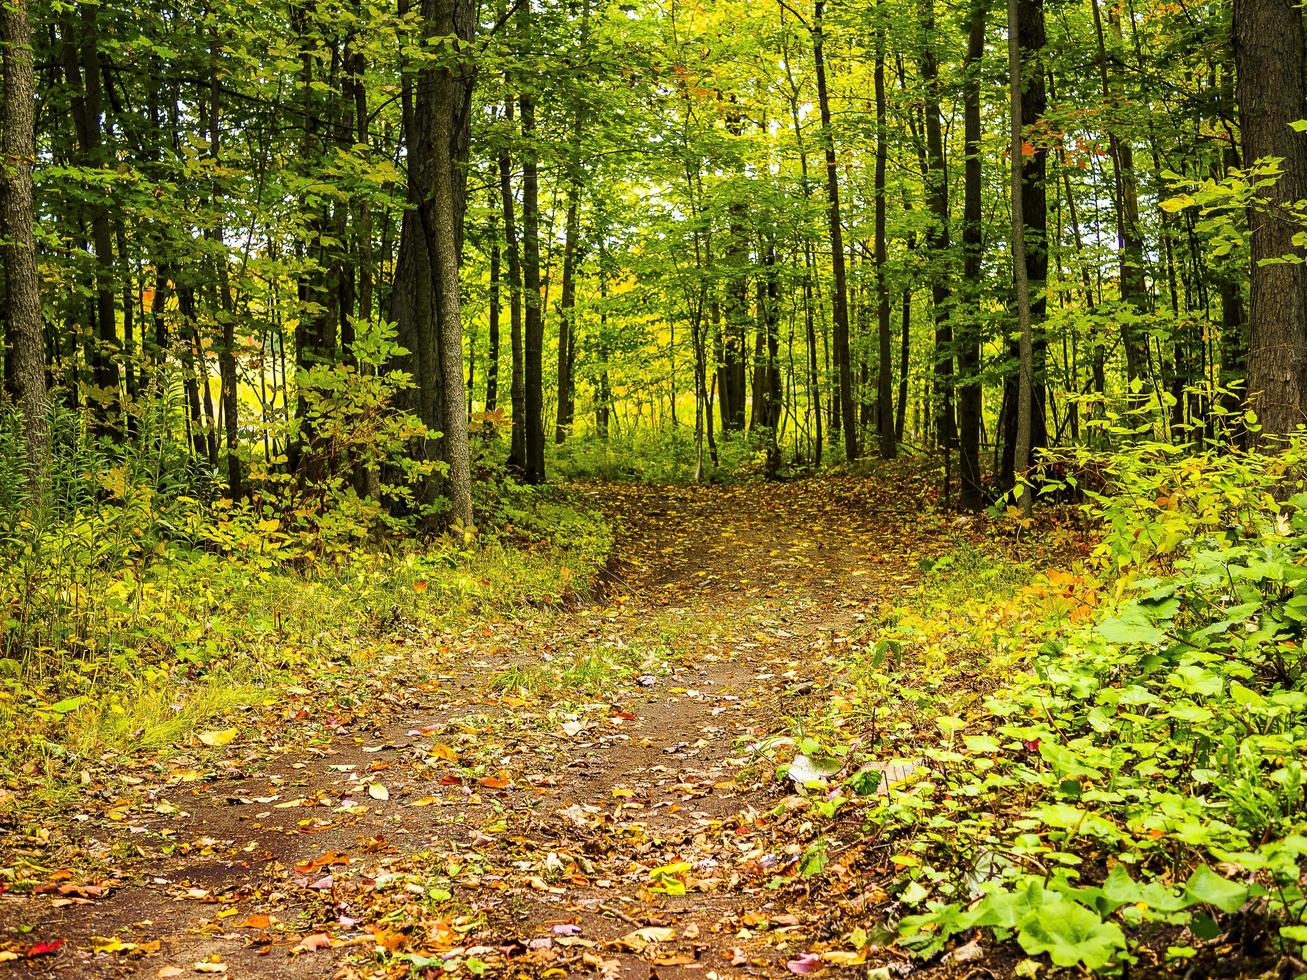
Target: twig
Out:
[619,914]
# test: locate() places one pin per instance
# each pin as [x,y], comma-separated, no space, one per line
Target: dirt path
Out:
[574,790]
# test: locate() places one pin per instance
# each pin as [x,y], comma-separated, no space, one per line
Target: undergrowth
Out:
[1100,760]
[658,456]
[139,605]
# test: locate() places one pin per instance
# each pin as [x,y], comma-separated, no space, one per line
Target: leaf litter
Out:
[566,790]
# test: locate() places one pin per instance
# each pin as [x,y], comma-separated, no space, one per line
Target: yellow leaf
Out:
[114,945]
[378,792]
[218,738]
[842,958]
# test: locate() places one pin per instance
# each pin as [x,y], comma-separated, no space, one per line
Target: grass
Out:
[593,671]
[163,647]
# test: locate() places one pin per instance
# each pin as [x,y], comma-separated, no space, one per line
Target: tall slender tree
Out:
[839,276]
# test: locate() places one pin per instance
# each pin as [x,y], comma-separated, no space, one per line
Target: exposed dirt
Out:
[570,789]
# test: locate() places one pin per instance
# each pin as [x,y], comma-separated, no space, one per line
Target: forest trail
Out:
[572,788]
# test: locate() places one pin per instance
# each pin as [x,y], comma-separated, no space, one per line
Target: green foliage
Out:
[139,603]
[1145,767]
[658,456]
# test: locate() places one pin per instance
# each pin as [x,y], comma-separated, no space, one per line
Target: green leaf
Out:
[68,705]
[1206,886]
[1245,696]
[1130,625]
[1071,935]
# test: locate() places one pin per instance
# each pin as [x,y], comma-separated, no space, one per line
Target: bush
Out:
[1140,781]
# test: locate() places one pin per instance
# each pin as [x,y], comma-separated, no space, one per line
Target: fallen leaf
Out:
[112,945]
[315,942]
[804,964]
[842,957]
[638,939]
[46,948]
[218,738]
[324,861]
[378,792]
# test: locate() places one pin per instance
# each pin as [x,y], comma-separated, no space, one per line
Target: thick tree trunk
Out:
[452,96]
[424,300]
[1268,47]
[25,359]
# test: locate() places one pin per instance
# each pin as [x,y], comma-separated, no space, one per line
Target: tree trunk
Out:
[534,326]
[81,65]
[970,393]
[452,98]
[227,353]
[26,354]
[1129,241]
[492,341]
[840,288]
[1268,48]
[513,254]
[885,368]
[937,234]
[1034,205]
[1021,459]
[567,316]
[425,300]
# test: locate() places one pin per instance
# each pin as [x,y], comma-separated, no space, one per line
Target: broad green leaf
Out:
[1206,886]
[1071,935]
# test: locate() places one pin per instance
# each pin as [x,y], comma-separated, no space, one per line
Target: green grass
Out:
[164,648]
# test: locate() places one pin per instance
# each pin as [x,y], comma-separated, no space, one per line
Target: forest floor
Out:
[568,789]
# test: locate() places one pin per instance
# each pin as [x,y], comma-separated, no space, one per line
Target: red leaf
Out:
[46,947]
